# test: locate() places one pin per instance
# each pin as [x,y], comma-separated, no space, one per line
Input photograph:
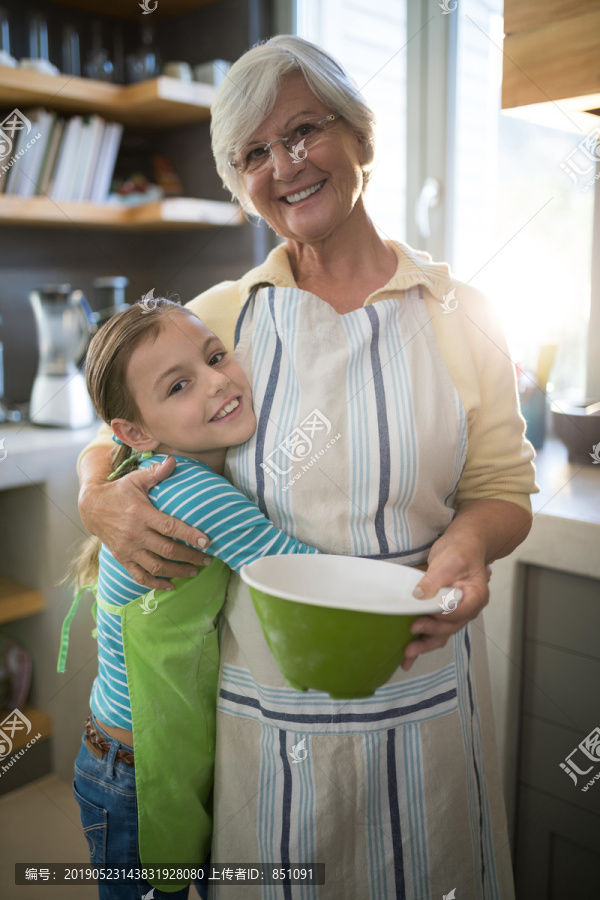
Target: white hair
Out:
[249,91]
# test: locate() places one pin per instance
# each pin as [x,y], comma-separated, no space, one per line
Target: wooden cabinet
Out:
[131,11]
[550,54]
[557,854]
[558,823]
[17,602]
[157,103]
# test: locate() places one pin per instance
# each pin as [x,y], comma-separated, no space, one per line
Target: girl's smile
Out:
[229,409]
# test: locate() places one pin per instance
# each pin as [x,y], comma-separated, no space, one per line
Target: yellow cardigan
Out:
[499,457]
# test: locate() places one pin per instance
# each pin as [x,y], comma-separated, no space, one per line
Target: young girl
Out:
[143,776]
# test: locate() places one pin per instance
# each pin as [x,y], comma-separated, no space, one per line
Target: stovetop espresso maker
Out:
[65,323]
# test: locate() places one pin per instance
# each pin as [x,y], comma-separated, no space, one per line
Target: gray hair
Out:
[249,91]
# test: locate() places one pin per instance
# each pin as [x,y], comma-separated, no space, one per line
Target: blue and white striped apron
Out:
[360,445]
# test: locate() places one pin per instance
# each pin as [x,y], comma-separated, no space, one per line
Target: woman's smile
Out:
[293,199]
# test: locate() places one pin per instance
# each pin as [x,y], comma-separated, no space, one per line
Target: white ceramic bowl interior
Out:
[345,582]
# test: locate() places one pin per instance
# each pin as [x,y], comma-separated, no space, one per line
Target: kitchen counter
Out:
[33,451]
[568,490]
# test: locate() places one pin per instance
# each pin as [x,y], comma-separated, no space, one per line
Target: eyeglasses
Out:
[256,157]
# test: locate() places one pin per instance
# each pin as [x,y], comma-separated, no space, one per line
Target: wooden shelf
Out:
[523,15]
[18,602]
[41,723]
[131,11]
[557,61]
[179,213]
[562,115]
[156,103]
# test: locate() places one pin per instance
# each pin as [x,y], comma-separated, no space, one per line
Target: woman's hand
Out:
[456,565]
[482,531]
[140,537]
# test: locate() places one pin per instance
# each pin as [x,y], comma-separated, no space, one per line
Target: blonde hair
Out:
[249,91]
[105,371]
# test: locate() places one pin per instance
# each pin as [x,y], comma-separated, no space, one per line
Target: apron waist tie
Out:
[101,746]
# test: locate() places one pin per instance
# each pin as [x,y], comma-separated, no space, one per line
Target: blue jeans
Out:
[105,791]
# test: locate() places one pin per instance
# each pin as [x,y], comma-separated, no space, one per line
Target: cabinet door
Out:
[558,849]
[544,746]
[561,686]
[563,610]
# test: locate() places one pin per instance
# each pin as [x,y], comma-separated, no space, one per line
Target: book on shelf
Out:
[50,158]
[103,174]
[91,157]
[62,178]
[33,158]
[70,159]
[10,178]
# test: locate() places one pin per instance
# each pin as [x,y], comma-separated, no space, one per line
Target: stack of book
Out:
[71,159]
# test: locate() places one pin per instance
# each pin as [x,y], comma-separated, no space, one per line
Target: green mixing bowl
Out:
[338,624]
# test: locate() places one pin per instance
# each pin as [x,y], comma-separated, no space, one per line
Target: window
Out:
[508,218]
[521,229]
[368,38]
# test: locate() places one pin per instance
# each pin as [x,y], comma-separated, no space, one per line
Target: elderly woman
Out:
[418,457]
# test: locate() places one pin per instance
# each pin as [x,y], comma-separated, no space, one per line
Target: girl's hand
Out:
[140,537]
[450,564]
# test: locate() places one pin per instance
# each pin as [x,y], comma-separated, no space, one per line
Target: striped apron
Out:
[360,445]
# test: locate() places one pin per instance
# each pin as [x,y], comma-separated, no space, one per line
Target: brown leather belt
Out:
[99,746]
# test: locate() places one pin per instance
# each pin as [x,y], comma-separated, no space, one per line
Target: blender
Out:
[65,324]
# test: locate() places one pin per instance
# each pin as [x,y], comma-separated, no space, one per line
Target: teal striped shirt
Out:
[239,533]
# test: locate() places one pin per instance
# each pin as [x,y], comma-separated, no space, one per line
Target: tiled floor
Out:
[40,823]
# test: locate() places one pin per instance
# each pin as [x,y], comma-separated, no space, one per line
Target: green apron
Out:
[171,651]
